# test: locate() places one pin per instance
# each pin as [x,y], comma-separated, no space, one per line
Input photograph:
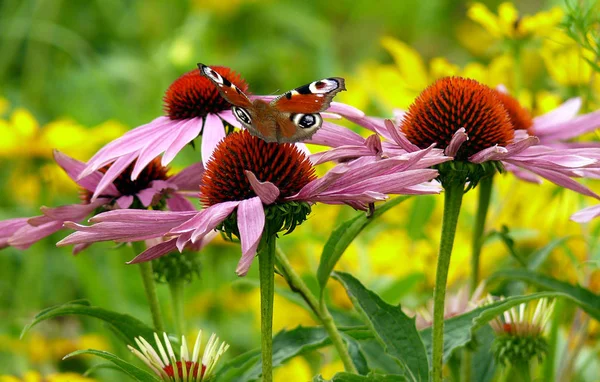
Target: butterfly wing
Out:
[229,91]
[311,98]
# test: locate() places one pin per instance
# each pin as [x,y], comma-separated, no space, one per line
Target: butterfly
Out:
[291,117]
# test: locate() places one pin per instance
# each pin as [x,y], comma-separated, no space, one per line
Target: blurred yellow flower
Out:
[296,370]
[65,135]
[508,24]
[34,376]
[565,60]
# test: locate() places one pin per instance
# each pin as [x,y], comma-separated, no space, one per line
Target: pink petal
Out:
[113,172]
[73,212]
[8,228]
[333,135]
[188,131]
[266,191]
[73,168]
[144,217]
[374,124]
[189,178]
[459,137]
[563,113]
[586,214]
[28,235]
[213,216]
[185,238]
[177,202]
[491,153]
[251,221]
[125,201]
[399,137]
[522,174]
[153,148]
[155,251]
[212,135]
[80,247]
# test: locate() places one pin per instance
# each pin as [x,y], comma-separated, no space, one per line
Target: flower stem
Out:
[452,201]
[485,193]
[150,288]
[320,310]
[177,287]
[266,263]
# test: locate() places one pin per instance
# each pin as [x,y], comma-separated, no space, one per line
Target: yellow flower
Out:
[34,376]
[508,24]
[565,60]
[296,370]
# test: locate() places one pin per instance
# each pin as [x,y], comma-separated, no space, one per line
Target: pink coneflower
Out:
[194,107]
[153,188]
[8,228]
[250,180]
[478,125]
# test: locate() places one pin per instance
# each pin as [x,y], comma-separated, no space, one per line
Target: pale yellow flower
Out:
[34,376]
[508,24]
[295,370]
[564,60]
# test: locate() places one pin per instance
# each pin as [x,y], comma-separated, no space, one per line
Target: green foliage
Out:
[129,369]
[396,331]
[347,377]
[125,326]
[343,236]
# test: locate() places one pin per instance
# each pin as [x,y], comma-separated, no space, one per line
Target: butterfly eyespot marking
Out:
[242,115]
[307,121]
[322,87]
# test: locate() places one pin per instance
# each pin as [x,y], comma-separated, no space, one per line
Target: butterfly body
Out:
[292,117]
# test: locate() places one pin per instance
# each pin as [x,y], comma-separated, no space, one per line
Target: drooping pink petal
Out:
[155,251]
[251,222]
[333,135]
[399,137]
[72,167]
[266,191]
[459,137]
[188,131]
[227,116]
[213,133]
[177,202]
[154,147]
[72,212]
[189,178]
[374,124]
[491,153]
[212,217]
[80,247]
[586,214]
[340,153]
[522,174]
[144,217]
[112,173]
[185,238]
[28,235]
[565,112]
[572,128]
[8,228]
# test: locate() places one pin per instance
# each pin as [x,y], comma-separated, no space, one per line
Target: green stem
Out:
[266,263]
[320,310]
[485,193]
[452,201]
[466,365]
[177,288]
[149,288]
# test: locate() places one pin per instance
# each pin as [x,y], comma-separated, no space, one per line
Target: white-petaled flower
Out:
[165,364]
[520,332]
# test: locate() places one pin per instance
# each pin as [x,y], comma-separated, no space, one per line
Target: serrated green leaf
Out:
[343,236]
[348,377]
[127,327]
[587,300]
[286,345]
[129,369]
[394,329]
[538,257]
[459,330]
[357,355]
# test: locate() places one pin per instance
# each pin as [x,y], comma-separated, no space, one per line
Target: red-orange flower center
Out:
[191,368]
[452,103]
[193,95]
[519,116]
[281,164]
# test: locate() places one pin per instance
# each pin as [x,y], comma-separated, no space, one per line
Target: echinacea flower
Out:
[153,188]
[473,124]
[250,186]
[520,332]
[194,107]
[169,368]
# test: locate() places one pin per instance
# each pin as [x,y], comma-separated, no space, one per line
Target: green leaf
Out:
[394,329]
[127,327]
[587,300]
[506,237]
[129,369]
[483,364]
[286,345]
[343,236]
[348,377]
[357,355]
[459,330]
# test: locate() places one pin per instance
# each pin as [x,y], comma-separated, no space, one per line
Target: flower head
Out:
[165,364]
[252,186]
[520,332]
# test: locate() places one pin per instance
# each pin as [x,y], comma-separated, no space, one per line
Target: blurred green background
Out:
[75,74]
